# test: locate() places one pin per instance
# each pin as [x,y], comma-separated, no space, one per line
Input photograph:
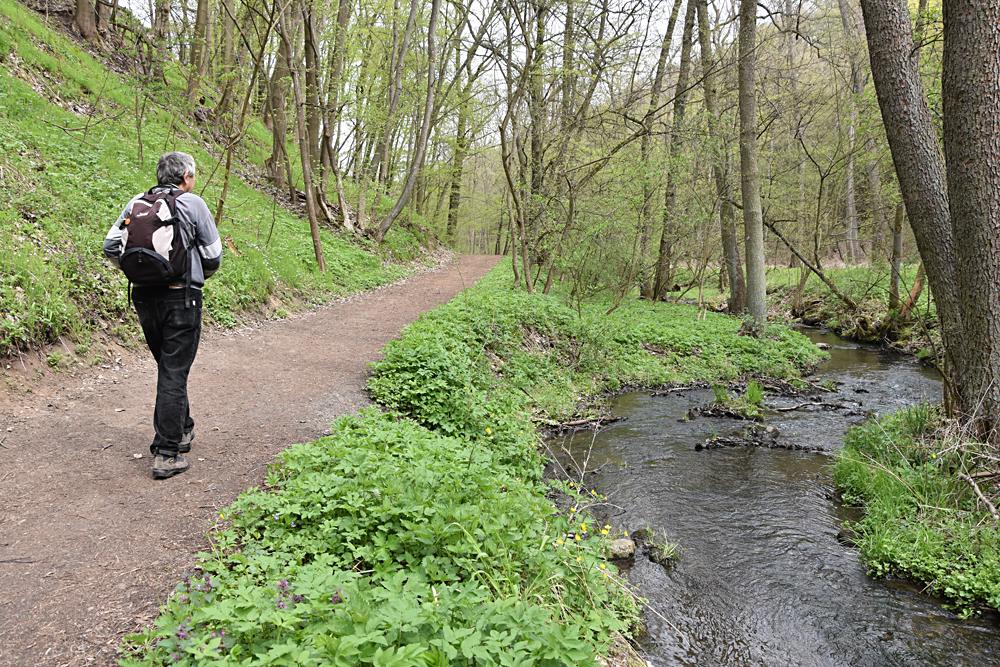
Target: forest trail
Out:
[90,545]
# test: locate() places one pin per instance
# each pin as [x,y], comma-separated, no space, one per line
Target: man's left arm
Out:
[206,237]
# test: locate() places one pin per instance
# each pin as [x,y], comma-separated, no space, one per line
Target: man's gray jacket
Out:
[197,225]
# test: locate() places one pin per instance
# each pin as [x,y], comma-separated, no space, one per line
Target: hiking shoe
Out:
[168,466]
[184,446]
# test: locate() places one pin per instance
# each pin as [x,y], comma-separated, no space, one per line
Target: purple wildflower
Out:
[298,598]
[335,598]
[283,585]
[281,604]
[175,657]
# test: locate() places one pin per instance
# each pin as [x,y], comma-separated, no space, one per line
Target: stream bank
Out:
[765,575]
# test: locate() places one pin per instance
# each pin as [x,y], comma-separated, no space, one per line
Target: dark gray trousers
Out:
[171,322]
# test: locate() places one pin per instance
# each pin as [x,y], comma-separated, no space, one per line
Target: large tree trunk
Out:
[668,231]
[753,221]
[85,18]
[971,91]
[458,163]
[200,49]
[161,28]
[919,169]
[312,21]
[648,187]
[227,72]
[720,162]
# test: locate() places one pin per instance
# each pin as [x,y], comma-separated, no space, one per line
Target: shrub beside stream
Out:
[922,520]
[426,534]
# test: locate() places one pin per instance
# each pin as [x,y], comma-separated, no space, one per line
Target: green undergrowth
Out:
[70,162]
[427,534]
[868,286]
[921,520]
[494,351]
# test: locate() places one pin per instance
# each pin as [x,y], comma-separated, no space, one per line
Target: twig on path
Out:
[23,561]
[3,440]
[975,487]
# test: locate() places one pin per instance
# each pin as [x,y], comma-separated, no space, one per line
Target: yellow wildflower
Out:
[583,527]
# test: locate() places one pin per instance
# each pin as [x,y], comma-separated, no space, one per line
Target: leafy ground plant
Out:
[427,535]
[923,518]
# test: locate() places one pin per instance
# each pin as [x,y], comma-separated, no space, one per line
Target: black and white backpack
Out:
[154,247]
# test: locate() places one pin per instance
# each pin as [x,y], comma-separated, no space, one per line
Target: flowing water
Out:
[762,578]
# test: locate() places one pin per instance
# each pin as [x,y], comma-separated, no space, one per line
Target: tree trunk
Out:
[720,163]
[919,169]
[896,260]
[312,22]
[85,18]
[858,79]
[287,41]
[970,86]
[668,231]
[228,69]
[458,163]
[161,27]
[200,49]
[645,144]
[425,125]
[753,222]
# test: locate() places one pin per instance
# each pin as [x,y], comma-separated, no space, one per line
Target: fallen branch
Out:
[979,493]
[822,276]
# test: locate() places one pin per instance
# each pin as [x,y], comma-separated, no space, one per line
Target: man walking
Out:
[166,243]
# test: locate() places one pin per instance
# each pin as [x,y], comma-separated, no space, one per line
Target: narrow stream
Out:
[762,578]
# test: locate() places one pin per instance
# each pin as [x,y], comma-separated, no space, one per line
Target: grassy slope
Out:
[427,535]
[921,521]
[62,189]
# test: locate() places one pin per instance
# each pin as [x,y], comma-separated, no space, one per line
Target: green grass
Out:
[868,286]
[427,534]
[921,521]
[531,351]
[64,186]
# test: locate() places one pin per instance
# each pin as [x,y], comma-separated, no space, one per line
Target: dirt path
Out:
[89,544]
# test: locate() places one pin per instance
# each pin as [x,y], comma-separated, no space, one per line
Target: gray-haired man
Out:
[170,310]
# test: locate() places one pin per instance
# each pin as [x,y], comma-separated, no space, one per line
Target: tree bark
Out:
[919,168]
[720,163]
[645,144]
[753,222]
[161,27]
[287,41]
[896,259]
[85,18]
[200,49]
[971,92]
[458,163]
[668,231]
